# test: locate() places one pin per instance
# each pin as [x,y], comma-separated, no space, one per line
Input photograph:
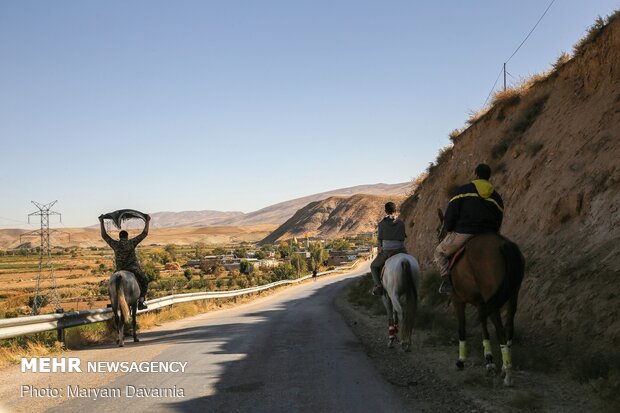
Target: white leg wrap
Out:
[486,345]
[462,350]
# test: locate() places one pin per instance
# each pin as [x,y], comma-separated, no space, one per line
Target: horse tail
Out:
[120,293]
[412,301]
[513,275]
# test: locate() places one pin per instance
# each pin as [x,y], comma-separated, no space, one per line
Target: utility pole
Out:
[504,77]
[45,255]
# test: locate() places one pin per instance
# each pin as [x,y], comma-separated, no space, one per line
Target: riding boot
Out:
[141,305]
[446,286]
[378,290]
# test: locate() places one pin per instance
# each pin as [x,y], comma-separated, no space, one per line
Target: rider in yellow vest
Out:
[475,208]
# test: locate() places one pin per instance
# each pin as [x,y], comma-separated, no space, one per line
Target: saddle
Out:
[459,253]
[456,256]
[390,254]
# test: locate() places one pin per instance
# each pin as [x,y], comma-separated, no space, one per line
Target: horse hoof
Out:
[508,381]
[460,365]
[407,348]
[136,340]
[391,342]
[121,344]
[491,369]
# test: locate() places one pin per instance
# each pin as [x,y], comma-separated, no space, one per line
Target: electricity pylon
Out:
[45,255]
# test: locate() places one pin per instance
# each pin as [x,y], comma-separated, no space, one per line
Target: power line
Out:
[14,220]
[503,70]
[531,31]
[493,88]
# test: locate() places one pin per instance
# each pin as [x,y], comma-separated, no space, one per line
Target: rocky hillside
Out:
[273,214]
[334,217]
[554,147]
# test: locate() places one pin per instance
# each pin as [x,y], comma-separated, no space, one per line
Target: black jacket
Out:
[392,229]
[475,208]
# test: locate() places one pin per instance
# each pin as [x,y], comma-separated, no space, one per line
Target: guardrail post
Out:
[60,331]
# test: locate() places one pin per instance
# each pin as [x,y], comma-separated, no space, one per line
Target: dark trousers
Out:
[143,280]
[377,264]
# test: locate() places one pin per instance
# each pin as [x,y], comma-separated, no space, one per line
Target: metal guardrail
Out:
[19,326]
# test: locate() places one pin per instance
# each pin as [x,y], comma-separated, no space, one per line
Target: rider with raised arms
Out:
[391,240]
[125,255]
[475,208]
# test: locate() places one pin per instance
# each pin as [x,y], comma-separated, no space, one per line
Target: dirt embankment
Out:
[554,149]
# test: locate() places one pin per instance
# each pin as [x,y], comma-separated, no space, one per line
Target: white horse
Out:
[401,281]
[124,293]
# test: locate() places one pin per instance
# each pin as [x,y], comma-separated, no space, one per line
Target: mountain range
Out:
[273,214]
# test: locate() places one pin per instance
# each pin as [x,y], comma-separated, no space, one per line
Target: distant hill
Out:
[274,214]
[192,218]
[91,237]
[334,217]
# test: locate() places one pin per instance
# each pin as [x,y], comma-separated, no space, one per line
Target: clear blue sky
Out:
[235,105]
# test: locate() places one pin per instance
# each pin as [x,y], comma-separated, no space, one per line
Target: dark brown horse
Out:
[488,276]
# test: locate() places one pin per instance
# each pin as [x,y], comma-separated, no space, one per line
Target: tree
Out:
[298,261]
[284,249]
[340,244]
[245,267]
[267,248]
[172,250]
[259,255]
[188,274]
[200,250]
[283,271]
[318,255]
[159,255]
[240,253]
[150,270]
[219,251]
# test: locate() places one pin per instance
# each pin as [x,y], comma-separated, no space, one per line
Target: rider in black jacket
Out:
[475,208]
[391,237]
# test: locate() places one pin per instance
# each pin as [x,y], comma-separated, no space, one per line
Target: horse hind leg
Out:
[398,317]
[496,318]
[392,327]
[459,308]
[134,312]
[120,327]
[511,310]
[486,342]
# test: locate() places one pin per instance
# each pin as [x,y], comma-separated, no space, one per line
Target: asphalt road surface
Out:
[288,352]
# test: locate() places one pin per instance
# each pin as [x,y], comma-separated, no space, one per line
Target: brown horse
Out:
[488,276]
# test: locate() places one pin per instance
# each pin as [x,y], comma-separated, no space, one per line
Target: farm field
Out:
[91,237]
[82,273]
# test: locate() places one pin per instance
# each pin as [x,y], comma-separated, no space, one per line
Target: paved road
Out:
[289,352]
